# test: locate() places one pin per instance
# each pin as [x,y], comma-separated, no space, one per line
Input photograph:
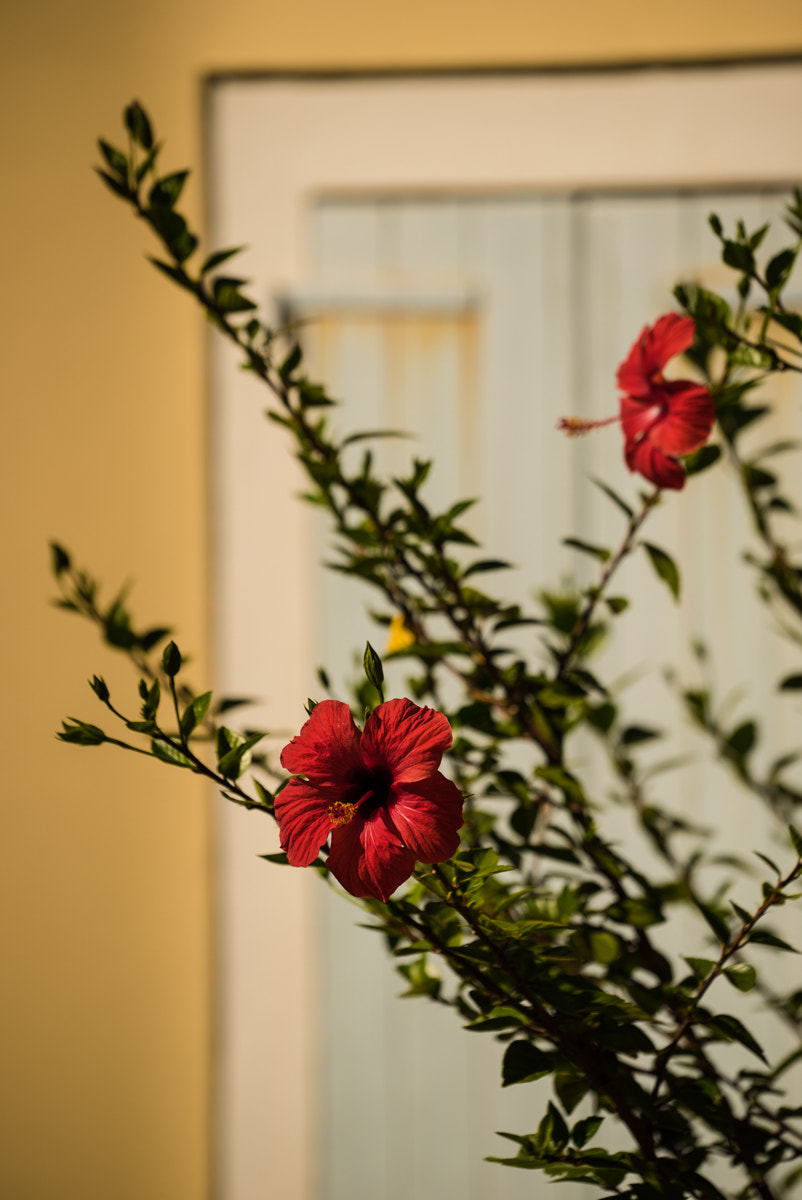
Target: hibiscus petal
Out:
[346,857]
[656,344]
[428,817]
[633,376]
[638,416]
[655,466]
[302,812]
[327,748]
[671,334]
[688,423]
[368,857]
[405,738]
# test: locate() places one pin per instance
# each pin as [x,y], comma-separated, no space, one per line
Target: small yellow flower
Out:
[399,635]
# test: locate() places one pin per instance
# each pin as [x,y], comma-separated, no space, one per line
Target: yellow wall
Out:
[106,997]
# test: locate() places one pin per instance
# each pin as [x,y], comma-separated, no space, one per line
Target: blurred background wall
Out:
[106,1021]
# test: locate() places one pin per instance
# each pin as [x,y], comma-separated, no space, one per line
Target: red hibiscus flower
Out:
[662,419]
[378,793]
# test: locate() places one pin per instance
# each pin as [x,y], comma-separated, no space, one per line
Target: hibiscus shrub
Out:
[553,935]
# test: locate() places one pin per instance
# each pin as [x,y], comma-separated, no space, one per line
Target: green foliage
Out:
[554,935]
[665,567]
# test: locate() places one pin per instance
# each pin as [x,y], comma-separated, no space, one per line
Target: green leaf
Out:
[177,274]
[762,937]
[148,640]
[290,363]
[227,296]
[486,564]
[218,258]
[738,256]
[605,947]
[571,1089]
[552,1132]
[599,552]
[523,1062]
[701,967]
[791,683]
[117,186]
[312,395]
[790,321]
[148,726]
[170,754]
[115,159]
[743,738]
[194,713]
[165,192]
[138,125]
[770,863]
[751,356]
[757,237]
[716,922]
[616,499]
[665,567]
[796,839]
[148,162]
[584,1130]
[234,761]
[635,734]
[61,560]
[701,459]
[731,1029]
[757,479]
[264,795]
[779,268]
[150,699]
[172,229]
[741,975]
[616,604]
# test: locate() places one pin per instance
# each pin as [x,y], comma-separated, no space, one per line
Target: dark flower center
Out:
[373,789]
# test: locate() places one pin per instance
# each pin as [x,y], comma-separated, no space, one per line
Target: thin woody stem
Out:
[727,951]
[578,1053]
[565,659]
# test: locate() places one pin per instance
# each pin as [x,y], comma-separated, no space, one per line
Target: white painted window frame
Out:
[274,144]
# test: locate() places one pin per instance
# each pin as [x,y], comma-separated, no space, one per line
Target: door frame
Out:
[430,133]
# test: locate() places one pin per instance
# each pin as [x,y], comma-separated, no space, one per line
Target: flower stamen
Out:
[578,426]
[341,813]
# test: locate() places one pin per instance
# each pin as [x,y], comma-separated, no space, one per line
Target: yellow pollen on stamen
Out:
[340,813]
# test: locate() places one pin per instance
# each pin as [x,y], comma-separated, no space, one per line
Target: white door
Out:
[474,274]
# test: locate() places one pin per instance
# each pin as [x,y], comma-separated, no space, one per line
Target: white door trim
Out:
[273,145]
